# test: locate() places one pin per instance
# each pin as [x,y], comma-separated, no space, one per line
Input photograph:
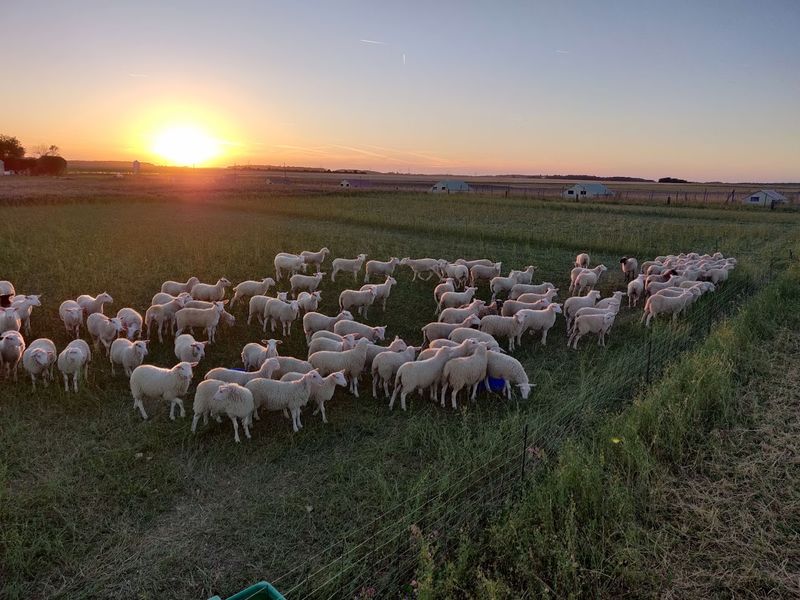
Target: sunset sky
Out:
[703,90]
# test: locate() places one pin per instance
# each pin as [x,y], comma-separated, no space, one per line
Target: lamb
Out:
[448,285]
[72,360]
[498,326]
[571,305]
[582,260]
[455,299]
[397,345]
[203,404]
[132,322]
[456,315]
[38,359]
[163,298]
[380,268]
[283,395]
[12,347]
[259,302]
[508,368]
[128,354]
[537,320]
[382,291]
[102,329]
[321,392]
[266,371]
[305,283]
[315,258]
[484,273]
[584,324]
[635,290]
[348,265]
[471,263]
[164,315]
[207,318]
[175,287]
[283,313]
[254,355]
[421,374]
[660,304]
[466,333]
[170,385]
[358,299]
[250,288]
[521,288]
[290,263]
[237,403]
[92,305]
[309,302]
[373,334]
[456,272]
[72,316]
[24,305]
[525,277]
[588,279]
[210,293]
[629,266]
[464,372]
[421,266]
[289,364]
[351,362]
[316,345]
[437,331]
[385,365]
[187,349]
[314,321]
[9,320]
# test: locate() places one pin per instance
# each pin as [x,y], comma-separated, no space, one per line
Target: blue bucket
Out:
[495,385]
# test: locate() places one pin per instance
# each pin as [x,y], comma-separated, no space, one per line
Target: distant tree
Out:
[10,148]
[671,180]
[44,150]
[50,165]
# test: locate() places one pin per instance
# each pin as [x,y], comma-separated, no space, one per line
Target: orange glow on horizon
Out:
[186,145]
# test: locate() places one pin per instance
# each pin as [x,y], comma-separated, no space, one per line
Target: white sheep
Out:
[7,288]
[464,372]
[458,273]
[163,315]
[169,385]
[550,295]
[421,375]
[523,288]
[127,353]
[132,322]
[72,316]
[305,283]
[91,305]
[250,288]
[588,279]
[584,324]
[573,304]
[455,299]
[12,347]
[291,263]
[422,266]
[253,355]
[187,349]
[456,315]
[283,395]
[382,291]
[397,345]
[103,330]
[629,266]
[282,313]
[315,258]
[537,320]
[321,392]
[512,307]
[635,290]
[471,263]
[309,302]
[484,273]
[373,334]
[9,320]
[266,370]
[509,369]
[348,342]
[448,285]
[176,287]
[582,260]
[207,318]
[209,292]
[499,326]
[467,333]
[163,298]
[351,362]
[500,284]
[24,306]
[314,321]
[203,405]
[329,335]
[237,403]
[437,331]
[73,360]
[660,304]
[348,265]
[38,359]
[289,364]
[357,299]
[380,268]
[385,365]
[259,302]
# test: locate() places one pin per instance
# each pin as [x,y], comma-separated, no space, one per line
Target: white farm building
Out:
[449,186]
[764,198]
[587,190]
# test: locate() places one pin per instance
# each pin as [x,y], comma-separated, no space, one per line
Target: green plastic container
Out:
[258,591]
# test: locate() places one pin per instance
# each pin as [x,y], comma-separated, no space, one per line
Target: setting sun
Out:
[186,145]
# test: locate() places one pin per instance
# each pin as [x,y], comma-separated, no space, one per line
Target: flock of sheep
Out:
[460,350]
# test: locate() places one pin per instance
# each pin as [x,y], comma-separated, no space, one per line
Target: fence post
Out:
[524,452]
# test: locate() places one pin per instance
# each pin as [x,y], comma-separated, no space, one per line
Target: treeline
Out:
[44,165]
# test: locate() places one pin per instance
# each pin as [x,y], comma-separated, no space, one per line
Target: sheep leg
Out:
[386,387]
[33,381]
[444,392]
[75,380]
[402,400]
[355,386]
[507,389]
[375,387]
[235,430]
[322,410]
[246,424]
[137,403]
[474,392]
[112,368]
[453,400]
[544,336]
[286,413]
[179,402]
[195,420]
[397,388]
[171,409]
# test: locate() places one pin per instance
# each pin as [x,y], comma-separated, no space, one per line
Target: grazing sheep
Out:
[455,299]
[38,359]
[207,318]
[484,273]
[348,265]
[266,370]
[499,326]
[437,331]
[321,392]
[422,266]
[237,403]
[467,333]
[508,368]
[289,364]
[522,288]
[582,260]
[305,283]
[131,321]
[382,291]
[24,306]
[309,302]
[203,405]
[283,395]
[512,307]
[635,290]
[598,324]
[373,334]
[351,362]
[588,279]
[471,263]
[357,299]
[573,304]
[164,315]
[291,263]
[9,320]
[283,313]
[665,305]
[210,293]
[314,321]
[259,302]
[456,315]
[448,285]
[128,354]
[163,298]
[464,372]
[12,347]
[250,288]
[72,360]
[537,320]
[187,349]
[656,286]
[169,385]
[380,268]
[72,316]
[254,355]
[315,258]
[91,305]
[175,287]
[103,330]
[385,365]
[549,295]
[629,266]
[457,272]
[421,374]
[348,343]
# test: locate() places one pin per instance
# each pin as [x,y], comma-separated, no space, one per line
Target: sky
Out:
[704,90]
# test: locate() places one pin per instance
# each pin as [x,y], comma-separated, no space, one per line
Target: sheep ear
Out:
[194,364]
[225,301]
[279,342]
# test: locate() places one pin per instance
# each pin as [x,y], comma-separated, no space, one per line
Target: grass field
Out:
[96,503]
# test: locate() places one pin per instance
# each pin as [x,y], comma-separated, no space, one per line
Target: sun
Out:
[186,145]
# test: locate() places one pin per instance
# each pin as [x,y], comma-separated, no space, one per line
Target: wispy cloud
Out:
[374,42]
[404,58]
[137,75]
[562,51]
